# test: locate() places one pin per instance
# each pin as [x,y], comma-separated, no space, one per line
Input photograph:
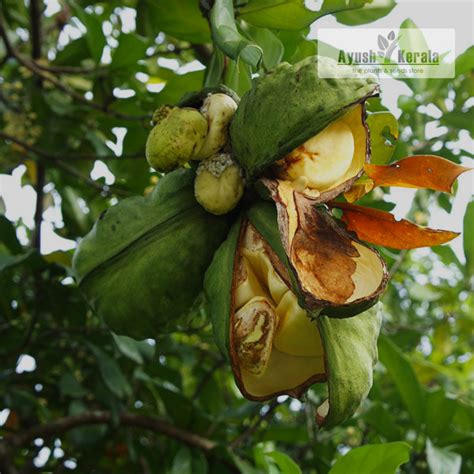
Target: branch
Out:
[99,70]
[35,37]
[207,377]
[58,163]
[253,427]
[67,423]
[74,156]
[35,69]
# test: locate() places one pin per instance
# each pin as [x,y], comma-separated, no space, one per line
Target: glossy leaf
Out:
[404,378]
[111,373]
[182,19]
[373,459]
[291,14]
[439,413]
[285,15]
[131,48]
[284,462]
[459,120]
[381,228]
[371,11]
[94,37]
[419,171]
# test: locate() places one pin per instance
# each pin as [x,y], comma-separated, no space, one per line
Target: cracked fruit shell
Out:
[275,346]
[141,266]
[289,106]
[333,272]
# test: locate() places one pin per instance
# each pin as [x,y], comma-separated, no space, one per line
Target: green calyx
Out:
[288,106]
[142,265]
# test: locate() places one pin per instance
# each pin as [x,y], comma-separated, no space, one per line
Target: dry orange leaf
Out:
[381,228]
[420,171]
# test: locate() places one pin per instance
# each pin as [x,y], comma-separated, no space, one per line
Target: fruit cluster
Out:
[244,210]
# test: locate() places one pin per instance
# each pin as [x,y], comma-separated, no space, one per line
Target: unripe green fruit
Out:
[177,135]
[219,185]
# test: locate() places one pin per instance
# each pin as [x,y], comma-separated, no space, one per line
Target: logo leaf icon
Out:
[391,35]
[382,42]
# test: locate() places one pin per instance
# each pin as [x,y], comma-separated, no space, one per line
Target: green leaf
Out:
[271,45]
[179,84]
[404,378]
[442,461]
[73,53]
[238,76]
[182,462]
[383,136]
[370,12]
[70,387]
[215,69]
[411,39]
[130,50]
[460,120]
[131,348]
[284,462]
[8,236]
[282,15]
[373,459]
[439,413]
[447,256]
[291,14]
[382,421]
[182,19]
[468,239]
[10,261]
[227,37]
[465,61]
[94,36]
[111,373]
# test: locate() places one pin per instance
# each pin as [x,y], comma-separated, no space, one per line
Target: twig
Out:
[205,379]
[58,163]
[67,423]
[396,265]
[33,67]
[35,38]
[99,70]
[74,156]
[239,440]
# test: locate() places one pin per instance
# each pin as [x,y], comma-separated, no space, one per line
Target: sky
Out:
[19,201]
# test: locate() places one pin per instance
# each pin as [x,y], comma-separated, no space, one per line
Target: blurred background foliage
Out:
[79,80]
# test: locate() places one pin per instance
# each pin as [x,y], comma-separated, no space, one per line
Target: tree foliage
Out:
[77,89]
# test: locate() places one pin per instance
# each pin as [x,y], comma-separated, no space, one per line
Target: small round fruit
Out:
[178,134]
[218,109]
[219,184]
